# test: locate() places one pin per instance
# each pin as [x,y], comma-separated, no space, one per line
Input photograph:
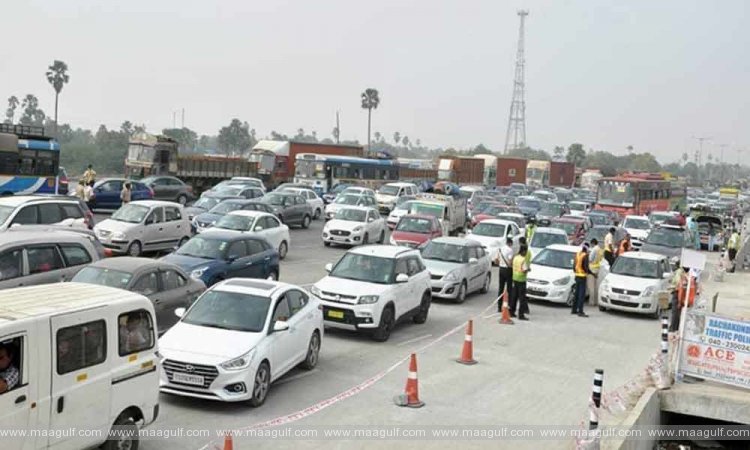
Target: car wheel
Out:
[387,321]
[461,297]
[366,239]
[135,249]
[182,199]
[261,385]
[602,308]
[424,309]
[326,243]
[317,214]
[571,297]
[125,437]
[382,237]
[183,241]
[313,350]
[306,221]
[283,249]
[487,282]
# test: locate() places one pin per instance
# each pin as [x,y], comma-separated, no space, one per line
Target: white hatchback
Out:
[239,337]
[638,227]
[551,277]
[492,234]
[354,225]
[257,223]
[634,283]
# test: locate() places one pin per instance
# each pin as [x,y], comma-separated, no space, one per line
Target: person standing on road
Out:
[125,194]
[609,246]
[732,247]
[88,195]
[80,188]
[89,176]
[520,269]
[530,229]
[625,245]
[529,254]
[582,271]
[679,279]
[596,255]
[504,260]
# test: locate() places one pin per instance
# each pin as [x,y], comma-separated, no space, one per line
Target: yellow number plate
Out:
[336,314]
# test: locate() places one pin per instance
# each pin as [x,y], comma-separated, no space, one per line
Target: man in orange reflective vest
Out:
[582,271]
[625,245]
[680,295]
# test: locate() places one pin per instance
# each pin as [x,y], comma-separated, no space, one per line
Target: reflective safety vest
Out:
[579,270]
[530,232]
[734,241]
[682,290]
[597,262]
[519,264]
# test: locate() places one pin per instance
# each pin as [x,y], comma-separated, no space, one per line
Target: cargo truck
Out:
[511,170]
[562,174]
[461,170]
[537,174]
[590,179]
[450,211]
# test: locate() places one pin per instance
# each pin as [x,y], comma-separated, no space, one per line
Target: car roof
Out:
[284,193]
[17,200]
[550,230]
[464,242]
[511,214]
[665,226]
[153,203]
[497,222]
[131,264]
[357,207]
[41,236]
[418,216]
[400,184]
[568,220]
[249,213]
[383,251]
[260,288]
[642,255]
[633,216]
[295,189]
[221,235]
[564,247]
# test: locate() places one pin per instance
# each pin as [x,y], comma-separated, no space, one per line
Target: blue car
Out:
[220,255]
[206,220]
[107,192]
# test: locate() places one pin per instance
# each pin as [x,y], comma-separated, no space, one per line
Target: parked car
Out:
[552,278]
[169,188]
[388,195]
[292,209]
[166,285]
[415,229]
[315,202]
[516,218]
[638,227]
[457,266]
[107,192]
[546,236]
[220,255]
[551,210]
[612,217]
[238,181]
[492,234]
[659,217]
[239,190]
[545,196]
[596,218]
[573,228]
[331,195]
[486,212]
[634,283]
[349,200]
[373,287]
[529,206]
[354,225]
[204,204]
[358,190]
[668,240]
[579,208]
[205,221]
[400,209]
[238,338]
[257,223]
[44,210]
[144,225]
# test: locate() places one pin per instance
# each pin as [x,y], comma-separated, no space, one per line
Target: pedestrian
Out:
[530,229]
[732,247]
[504,260]
[88,195]
[518,297]
[677,285]
[89,176]
[625,245]
[609,246]
[582,271]
[125,194]
[529,254]
[694,233]
[596,255]
[80,188]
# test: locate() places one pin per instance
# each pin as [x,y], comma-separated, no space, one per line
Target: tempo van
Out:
[86,362]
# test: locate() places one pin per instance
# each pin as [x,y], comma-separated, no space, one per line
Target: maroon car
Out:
[414,230]
[575,229]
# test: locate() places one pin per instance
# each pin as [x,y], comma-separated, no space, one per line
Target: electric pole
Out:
[699,154]
[721,160]
[515,137]
[183,117]
[338,127]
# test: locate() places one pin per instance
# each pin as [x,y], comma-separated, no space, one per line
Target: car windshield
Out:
[597,233]
[233,222]
[542,239]
[402,205]
[229,311]
[555,258]
[225,208]
[636,224]
[229,189]
[517,220]
[481,206]
[388,190]
[347,199]
[489,229]
[494,210]
[568,227]
[275,199]
[5,212]
[529,203]
[636,267]
[598,219]
[552,209]
[414,225]
[339,188]
[351,214]
[659,217]
[103,276]
[577,206]
[201,247]
[371,269]
[666,237]
[206,203]
[130,213]
[442,251]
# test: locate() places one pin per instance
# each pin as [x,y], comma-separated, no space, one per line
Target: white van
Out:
[78,358]
[388,195]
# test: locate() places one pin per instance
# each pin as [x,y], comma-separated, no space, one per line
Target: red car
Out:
[575,229]
[490,212]
[414,230]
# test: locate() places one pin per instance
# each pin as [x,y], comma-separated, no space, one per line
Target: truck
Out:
[562,174]
[159,155]
[490,169]
[461,170]
[537,174]
[275,159]
[510,170]
[590,179]
[450,211]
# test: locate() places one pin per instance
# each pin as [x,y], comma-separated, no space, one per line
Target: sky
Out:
[606,73]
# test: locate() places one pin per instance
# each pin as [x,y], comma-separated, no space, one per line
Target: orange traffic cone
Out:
[467,354]
[410,397]
[228,443]
[505,319]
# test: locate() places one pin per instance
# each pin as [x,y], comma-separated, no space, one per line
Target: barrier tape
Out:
[317,407]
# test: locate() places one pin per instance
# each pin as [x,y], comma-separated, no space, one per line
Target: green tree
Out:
[576,154]
[57,76]
[558,153]
[10,113]
[378,136]
[397,137]
[405,141]
[479,150]
[645,162]
[370,101]
[187,138]
[127,128]
[235,139]
[32,114]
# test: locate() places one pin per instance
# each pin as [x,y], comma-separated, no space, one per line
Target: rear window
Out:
[72,211]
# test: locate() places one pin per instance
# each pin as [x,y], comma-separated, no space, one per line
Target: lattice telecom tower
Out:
[516,136]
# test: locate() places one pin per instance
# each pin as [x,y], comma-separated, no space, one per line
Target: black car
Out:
[529,206]
[290,208]
[667,240]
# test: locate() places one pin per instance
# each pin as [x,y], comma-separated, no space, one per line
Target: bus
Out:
[29,161]
[633,195]
[323,172]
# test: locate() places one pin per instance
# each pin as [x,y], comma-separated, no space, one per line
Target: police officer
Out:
[596,255]
[520,269]
[609,246]
[582,271]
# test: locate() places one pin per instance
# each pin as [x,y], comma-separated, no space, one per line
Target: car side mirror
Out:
[280,325]
[473,261]
[402,278]
[232,258]
[329,267]
[179,312]
[666,275]
[371,219]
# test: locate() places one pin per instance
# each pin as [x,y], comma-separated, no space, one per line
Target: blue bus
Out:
[323,172]
[29,161]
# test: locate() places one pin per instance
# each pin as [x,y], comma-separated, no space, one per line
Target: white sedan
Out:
[239,337]
[354,225]
[258,223]
[492,233]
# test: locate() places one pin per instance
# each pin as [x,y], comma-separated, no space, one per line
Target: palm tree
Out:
[684,158]
[13,103]
[396,137]
[377,136]
[57,75]
[370,101]
[629,148]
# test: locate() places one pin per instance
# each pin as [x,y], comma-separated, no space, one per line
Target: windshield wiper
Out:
[194,256]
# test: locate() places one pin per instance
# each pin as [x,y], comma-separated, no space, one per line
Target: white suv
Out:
[373,287]
[388,195]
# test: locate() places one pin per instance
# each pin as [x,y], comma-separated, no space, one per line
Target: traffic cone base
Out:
[228,443]
[467,354]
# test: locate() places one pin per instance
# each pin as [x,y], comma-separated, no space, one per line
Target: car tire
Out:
[126,436]
[283,249]
[657,314]
[182,199]
[135,249]
[602,308]
[326,243]
[387,322]
[366,239]
[571,297]
[306,221]
[317,214]
[382,237]
[487,283]
[313,352]
[183,241]
[461,296]
[281,219]
[261,385]
[424,309]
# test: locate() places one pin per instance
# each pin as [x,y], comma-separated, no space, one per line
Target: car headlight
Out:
[451,276]
[197,273]
[649,291]
[605,285]
[357,230]
[119,235]
[368,299]
[239,363]
[392,241]
[561,281]
[315,291]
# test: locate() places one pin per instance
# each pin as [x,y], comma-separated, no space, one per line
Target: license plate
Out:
[622,297]
[195,380]
[335,314]
[339,238]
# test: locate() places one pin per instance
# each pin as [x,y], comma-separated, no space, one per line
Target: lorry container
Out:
[450,211]
[461,170]
[562,174]
[490,169]
[537,174]
[511,170]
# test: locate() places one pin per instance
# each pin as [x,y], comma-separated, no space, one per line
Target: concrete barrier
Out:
[647,412]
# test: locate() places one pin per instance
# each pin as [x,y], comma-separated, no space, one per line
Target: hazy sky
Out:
[609,74]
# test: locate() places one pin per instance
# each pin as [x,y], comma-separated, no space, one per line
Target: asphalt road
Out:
[533,373]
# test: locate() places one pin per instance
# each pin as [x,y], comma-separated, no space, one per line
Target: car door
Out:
[283,344]
[404,292]
[174,292]
[302,319]
[271,230]
[45,265]
[107,194]
[12,268]
[418,279]
[154,234]
[75,256]
[161,188]
[18,405]
[302,207]
[174,227]
[475,271]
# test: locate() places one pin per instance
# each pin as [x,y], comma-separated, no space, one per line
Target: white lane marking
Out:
[296,377]
[410,341]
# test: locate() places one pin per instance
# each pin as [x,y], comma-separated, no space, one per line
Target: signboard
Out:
[716,348]
[693,259]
